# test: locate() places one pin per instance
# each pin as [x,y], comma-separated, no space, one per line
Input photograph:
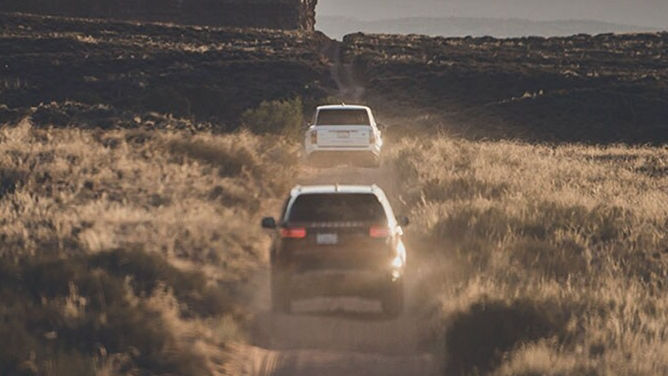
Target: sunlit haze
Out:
[637,12]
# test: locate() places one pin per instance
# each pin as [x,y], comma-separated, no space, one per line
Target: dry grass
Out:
[136,246]
[127,251]
[547,260]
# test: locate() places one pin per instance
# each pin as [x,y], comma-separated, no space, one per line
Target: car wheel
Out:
[280,293]
[393,299]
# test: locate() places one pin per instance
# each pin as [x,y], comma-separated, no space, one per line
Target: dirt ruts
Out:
[346,336]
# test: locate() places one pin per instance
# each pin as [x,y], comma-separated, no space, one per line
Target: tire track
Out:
[343,336]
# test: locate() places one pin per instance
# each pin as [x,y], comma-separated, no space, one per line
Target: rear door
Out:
[343,127]
[340,230]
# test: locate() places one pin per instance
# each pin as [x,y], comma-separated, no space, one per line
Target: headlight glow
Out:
[397,263]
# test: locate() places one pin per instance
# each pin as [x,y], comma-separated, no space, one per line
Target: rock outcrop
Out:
[597,89]
[66,71]
[273,14]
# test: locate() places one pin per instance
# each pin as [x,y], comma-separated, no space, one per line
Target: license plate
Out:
[343,134]
[327,239]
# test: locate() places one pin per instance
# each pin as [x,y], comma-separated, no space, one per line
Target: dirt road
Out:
[345,336]
[343,74]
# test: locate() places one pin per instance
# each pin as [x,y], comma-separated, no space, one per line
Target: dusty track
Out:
[343,74]
[334,336]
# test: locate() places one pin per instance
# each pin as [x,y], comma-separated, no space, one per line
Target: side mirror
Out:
[381,126]
[269,223]
[306,126]
[403,221]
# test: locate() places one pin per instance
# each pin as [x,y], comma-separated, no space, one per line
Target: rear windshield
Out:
[340,207]
[343,117]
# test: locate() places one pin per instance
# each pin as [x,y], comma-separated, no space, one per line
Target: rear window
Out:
[337,208]
[342,117]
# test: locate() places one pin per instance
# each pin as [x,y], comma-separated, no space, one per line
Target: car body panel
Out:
[343,138]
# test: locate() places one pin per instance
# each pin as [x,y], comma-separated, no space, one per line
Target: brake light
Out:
[379,232]
[314,137]
[293,233]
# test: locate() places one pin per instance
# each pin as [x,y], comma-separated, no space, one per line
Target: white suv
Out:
[344,131]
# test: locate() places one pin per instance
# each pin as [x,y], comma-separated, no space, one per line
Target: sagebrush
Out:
[545,259]
[129,251]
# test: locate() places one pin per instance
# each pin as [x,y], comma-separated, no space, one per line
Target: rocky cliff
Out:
[274,14]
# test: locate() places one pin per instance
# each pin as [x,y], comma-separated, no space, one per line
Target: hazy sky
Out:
[635,12]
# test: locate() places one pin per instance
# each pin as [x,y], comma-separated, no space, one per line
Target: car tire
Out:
[393,299]
[281,301]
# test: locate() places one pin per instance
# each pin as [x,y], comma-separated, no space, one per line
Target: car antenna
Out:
[336,187]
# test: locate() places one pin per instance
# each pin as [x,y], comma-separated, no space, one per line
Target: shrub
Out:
[545,260]
[230,158]
[283,117]
[477,339]
[149,271]
[9,180]
[64,311]
[129,246]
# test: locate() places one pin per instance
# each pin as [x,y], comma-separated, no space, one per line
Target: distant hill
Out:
[274,14]
[73,71]
[337,27]
[607,88]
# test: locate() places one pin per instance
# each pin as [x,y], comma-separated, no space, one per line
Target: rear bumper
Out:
[343,156]
[331,283]
[373,149]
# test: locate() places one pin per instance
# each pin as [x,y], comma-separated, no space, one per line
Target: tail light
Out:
[314,137]
[372,137]
[379,232]
[293,233]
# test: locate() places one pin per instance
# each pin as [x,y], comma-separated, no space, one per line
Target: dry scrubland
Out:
[128,251]
[545,260]
[106,74]
[132,251]
[282,14]
[593,89]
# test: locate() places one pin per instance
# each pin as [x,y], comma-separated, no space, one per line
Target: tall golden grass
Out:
[546,260]
[128,251]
